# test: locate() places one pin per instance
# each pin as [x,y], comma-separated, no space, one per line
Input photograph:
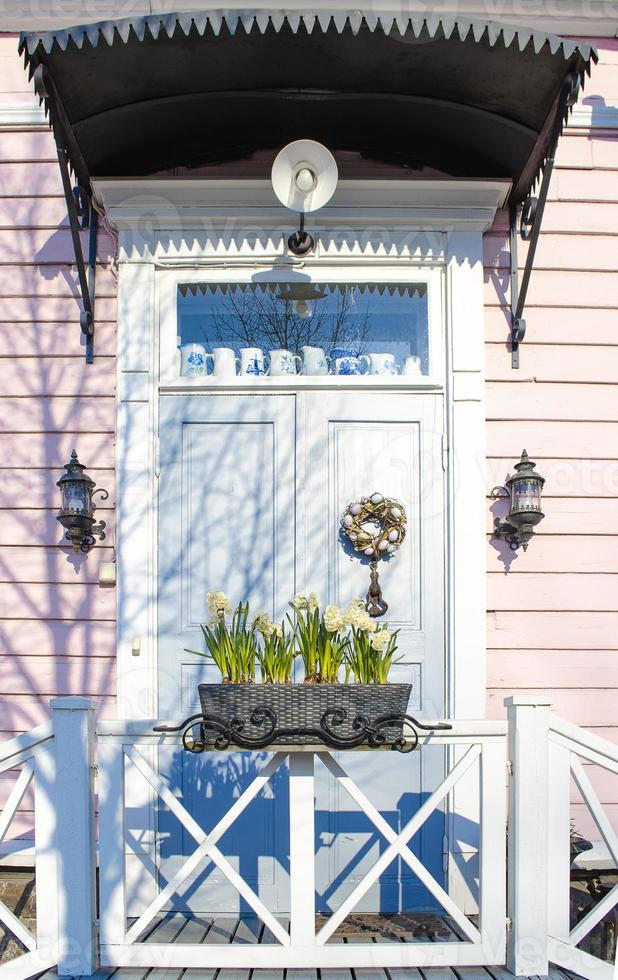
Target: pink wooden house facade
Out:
[550,622]
[551,613]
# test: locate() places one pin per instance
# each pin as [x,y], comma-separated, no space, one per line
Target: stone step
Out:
[18,894]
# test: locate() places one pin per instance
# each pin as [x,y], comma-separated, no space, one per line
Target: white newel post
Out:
[302,849]
[559,848]
[528,718]
[75,835]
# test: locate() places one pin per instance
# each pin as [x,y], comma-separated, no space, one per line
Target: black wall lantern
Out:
[76,511]
[524,490]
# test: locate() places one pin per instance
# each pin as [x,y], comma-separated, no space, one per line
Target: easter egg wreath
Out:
[375,525]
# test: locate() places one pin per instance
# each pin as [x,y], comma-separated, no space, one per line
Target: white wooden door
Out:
[251,492]
[355,443]
[226,521]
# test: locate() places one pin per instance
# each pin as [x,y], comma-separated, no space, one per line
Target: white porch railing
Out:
[32,756]
[543,752]
[568,746]
[123,754]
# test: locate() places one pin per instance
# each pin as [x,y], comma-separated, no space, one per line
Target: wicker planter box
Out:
[303,714]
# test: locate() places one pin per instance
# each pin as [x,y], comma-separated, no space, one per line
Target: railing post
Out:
[559,849]
[528,718]
[75,835]
[302,849]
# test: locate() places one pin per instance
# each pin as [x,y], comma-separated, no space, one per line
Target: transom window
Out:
[367,328]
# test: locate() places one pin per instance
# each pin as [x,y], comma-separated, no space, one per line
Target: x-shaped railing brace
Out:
[398,846]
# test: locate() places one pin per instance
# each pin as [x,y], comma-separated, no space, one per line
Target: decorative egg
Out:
[368,551]
[396,512]
[393,535]
[348,520]
[352,537]
[391,548]
[383,545]
[377,498]
[355,509]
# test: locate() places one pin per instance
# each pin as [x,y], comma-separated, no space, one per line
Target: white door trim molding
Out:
[155,216]
[455,245]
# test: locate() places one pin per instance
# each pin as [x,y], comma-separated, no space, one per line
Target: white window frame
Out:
[167,287]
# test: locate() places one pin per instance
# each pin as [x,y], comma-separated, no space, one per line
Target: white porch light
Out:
[305,180]
[304,177]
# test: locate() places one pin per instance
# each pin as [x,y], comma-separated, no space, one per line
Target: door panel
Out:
[226,513]
[226,519]
[356,443]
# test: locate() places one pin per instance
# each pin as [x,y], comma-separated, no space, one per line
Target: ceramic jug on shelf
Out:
[193,360]
[224,362]
[381,363]
[282,362]
[412,366]
[346,361]
[253,363]
[314,361]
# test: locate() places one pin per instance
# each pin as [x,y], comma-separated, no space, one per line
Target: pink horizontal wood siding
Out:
[20,484]
[553,611]
[57,624]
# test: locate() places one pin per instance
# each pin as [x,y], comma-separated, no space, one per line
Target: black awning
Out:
[468,98]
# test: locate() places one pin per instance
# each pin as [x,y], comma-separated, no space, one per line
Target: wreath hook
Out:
[375,604]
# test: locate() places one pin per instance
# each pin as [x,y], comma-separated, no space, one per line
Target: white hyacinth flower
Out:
[262,623]
[218,603]
[380,639]
[313,601]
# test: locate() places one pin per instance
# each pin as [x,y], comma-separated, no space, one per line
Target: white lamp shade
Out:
[304,176]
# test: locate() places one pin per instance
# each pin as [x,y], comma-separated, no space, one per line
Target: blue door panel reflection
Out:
[257,845]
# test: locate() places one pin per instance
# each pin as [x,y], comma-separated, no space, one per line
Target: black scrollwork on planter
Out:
[201,732]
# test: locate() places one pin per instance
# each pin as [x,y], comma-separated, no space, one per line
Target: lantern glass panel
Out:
[525,495]
[75,497]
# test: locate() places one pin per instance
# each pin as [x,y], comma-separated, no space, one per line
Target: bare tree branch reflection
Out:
[273,320]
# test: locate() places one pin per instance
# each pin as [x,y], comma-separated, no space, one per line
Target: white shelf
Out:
[300,382]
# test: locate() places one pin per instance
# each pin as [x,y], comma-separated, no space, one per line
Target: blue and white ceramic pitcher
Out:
[193,360]
[345,360]
[253,362]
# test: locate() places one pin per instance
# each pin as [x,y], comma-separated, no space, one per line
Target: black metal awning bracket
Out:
[530,218]
[82,214]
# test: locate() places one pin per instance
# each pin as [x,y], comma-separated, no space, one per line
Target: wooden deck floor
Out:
[195,930]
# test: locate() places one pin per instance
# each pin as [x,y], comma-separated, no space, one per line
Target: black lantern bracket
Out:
[504,529]
[529,217]
[82,214]
[518,529]
[96,531]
